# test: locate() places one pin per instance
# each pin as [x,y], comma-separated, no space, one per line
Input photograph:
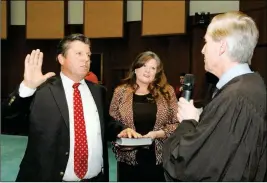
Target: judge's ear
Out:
[61,59]
[223,47]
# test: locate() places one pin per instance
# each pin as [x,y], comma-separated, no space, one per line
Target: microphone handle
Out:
[187,94]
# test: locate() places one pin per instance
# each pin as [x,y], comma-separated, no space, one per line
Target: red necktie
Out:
[80,144]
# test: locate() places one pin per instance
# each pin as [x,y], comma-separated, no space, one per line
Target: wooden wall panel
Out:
[258,61]
[259,17]
[164,17]
[3,19]
[197,61]
[179,53]
[103,19]
[258,11]
[245,5]
[44,19]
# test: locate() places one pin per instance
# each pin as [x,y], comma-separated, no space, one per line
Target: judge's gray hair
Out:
[240,32]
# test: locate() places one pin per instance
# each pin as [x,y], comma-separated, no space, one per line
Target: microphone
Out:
[189,81]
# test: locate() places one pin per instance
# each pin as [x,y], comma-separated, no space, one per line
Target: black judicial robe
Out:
[228,143]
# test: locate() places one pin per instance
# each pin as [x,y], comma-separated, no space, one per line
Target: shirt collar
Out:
[237,70]
[68,81]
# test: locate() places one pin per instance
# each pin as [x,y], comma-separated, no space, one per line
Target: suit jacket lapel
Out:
[96,93]
[57,90]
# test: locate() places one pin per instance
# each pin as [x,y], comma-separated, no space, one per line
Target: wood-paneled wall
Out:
[117,53]
[258,11]
[180,53]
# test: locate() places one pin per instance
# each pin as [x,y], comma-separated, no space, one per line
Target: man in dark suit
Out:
[69,121]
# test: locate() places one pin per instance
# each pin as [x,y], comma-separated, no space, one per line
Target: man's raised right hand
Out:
[33,76]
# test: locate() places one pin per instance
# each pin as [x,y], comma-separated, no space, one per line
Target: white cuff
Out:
[25,91]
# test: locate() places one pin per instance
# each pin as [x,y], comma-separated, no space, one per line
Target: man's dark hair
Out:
[63,45]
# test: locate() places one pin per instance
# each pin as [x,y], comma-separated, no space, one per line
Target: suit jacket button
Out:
[11,100]
[67,153]
[61,173]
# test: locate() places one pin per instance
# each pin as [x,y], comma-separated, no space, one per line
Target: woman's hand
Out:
[152,135]
[129,133]
[155,134]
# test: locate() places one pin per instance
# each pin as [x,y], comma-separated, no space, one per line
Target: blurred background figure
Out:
[91,77]
[179,88]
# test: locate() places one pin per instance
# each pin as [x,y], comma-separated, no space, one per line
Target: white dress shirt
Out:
[92,123]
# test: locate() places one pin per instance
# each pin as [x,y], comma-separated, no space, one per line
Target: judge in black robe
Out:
[227,142]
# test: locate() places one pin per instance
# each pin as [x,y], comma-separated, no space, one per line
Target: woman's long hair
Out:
[158,87]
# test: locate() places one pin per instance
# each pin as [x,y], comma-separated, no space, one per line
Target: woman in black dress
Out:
[146,103]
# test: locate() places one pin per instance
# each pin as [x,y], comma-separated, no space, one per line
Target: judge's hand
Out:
[33,76]
[187,110]
[129,133]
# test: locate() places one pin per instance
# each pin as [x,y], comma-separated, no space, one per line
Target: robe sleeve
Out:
[228,144]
